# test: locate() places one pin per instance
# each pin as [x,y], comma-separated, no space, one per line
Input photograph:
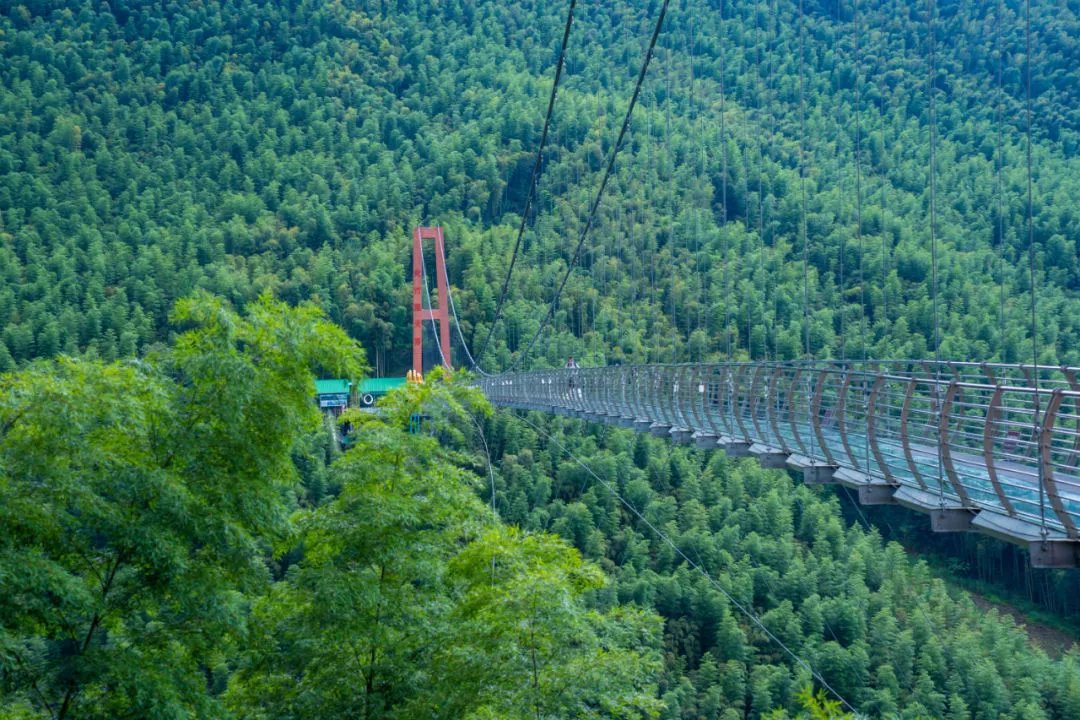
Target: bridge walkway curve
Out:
[978,447]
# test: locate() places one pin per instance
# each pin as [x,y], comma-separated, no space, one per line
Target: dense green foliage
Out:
[177,536]
[980,562]
[137,499]
[178,543]
[881,631]
[149,150]
[162,556]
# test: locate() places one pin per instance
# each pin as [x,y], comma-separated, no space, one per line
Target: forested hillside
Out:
[238,146]
[170,550]
[878,628]
[190,190]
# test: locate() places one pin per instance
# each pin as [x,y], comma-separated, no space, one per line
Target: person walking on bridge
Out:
[571,364]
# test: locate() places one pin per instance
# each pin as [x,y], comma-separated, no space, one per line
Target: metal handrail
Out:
[964,436]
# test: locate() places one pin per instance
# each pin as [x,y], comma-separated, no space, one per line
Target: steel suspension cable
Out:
[856,21]
[884,219]
[600,191]
[670,162]
[885,233]
[653,171]
[760,86]
[809,357]
[728,299]
[774,35]
[487,457]
[1038,428]
[999,162]
[699,269]
[457,323]
[802,187]
[533,178]
[842,249]
[931,82]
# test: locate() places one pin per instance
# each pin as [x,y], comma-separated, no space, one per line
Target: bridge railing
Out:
[977,446]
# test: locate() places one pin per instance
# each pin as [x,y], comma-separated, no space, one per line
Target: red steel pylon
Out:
[440,314]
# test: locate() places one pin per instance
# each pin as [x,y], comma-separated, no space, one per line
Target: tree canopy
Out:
[204,204]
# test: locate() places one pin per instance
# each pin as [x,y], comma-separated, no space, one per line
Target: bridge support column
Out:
[704,441]
[733,447]
[872,491]
[769,457]
[951,519]
[876,494]
[441,314]
[1057,553]
[815,472]
[681,436]
[659,429]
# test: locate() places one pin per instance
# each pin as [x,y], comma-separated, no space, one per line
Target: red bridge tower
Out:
[440,314]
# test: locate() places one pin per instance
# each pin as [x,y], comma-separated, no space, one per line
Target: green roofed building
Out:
[374,388]
[333,394]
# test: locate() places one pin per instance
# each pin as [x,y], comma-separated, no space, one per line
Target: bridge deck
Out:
[977,447]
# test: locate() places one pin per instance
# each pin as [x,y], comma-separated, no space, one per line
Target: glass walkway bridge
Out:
[991,448]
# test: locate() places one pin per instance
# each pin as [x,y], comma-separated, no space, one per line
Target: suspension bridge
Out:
[985,447]
[975,446]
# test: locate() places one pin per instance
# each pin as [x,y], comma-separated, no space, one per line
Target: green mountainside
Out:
[170,550]
[204,205]
[883,633]
[148,150]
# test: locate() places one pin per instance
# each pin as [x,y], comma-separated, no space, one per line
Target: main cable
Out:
[931,83]
[809,357]
[856,21]
[726,245]
[600,192]
[999,162]
[1038,429]
[760,90]
[802,188]
[457,322]
[534,178]
[699,567]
